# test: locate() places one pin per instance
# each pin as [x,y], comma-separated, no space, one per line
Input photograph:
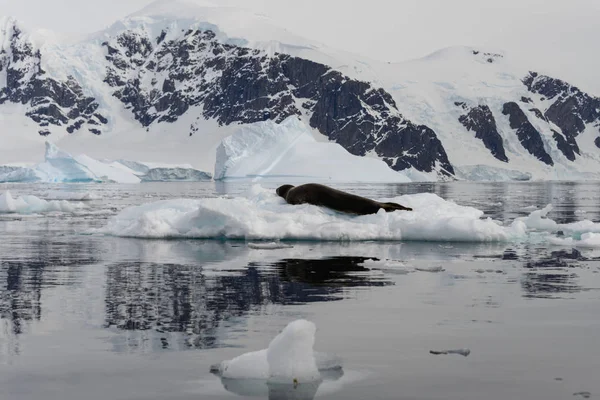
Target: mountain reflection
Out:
[168,298]
[24,276]
[551,277]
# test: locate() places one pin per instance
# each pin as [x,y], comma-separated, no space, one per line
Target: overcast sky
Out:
[562,37]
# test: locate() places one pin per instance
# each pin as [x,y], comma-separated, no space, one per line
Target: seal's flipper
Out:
[389,207]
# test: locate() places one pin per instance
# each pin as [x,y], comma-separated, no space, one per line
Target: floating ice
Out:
[32,204]
[429,269]
[60,166]
[289,359]
[462,352]
[269,246]
[262,215]
[590,239]
[71,196]
[270,150]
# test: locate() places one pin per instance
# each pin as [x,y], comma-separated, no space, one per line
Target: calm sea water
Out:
[91,317]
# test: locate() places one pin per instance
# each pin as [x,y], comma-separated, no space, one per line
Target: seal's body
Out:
[321,195]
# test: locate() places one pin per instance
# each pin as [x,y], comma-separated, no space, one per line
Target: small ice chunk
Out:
[7,203]
[462,352]
[289,359]
[269,246]
[33,204]
[585,395]
[290,355]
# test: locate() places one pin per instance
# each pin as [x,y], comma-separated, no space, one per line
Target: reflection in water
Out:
[280,391]
[23,276]
[271,391]
[182,299]
[549,277]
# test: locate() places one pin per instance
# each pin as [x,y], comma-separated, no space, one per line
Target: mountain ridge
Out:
[135,76]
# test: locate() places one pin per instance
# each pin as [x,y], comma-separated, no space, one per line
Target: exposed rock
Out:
[567,145]
[597,142]
[571,109]
[233,84]
[50,102]
[529,137]
[480,120]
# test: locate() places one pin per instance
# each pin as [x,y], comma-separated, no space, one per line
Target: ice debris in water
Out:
[71,196]
[269,246]
[588,240]
[262,215]
[430,269]
[32,204]
[288,359]
[462,352]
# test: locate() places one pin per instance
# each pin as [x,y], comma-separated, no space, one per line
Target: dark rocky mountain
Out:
[481,120]
[159,80]
[162,76]
[529,137]
[49,101]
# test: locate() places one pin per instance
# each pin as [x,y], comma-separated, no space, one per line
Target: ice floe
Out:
[262,215]
[33,204]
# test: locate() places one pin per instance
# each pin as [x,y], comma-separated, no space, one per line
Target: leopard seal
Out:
[321,195]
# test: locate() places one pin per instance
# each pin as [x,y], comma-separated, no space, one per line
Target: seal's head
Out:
[283,190]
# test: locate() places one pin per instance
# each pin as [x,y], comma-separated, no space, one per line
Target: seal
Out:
[321,195]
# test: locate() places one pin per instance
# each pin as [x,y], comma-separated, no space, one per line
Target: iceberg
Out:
[289,359]
[289,150]
[175,174]
[60,166]
[12,174]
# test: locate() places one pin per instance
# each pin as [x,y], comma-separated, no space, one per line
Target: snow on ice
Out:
[262,215]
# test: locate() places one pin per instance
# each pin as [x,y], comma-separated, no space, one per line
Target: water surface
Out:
[92,317]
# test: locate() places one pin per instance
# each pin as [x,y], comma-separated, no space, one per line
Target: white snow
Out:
[262,215]
[290,358]
[33,204]
[288,150]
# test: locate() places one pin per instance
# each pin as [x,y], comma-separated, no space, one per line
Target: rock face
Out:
[168,70]
[48,101]
[480,120]
[570,109]
[529,137]
[160,79]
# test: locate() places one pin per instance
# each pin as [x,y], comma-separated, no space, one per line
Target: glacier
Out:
[289,151]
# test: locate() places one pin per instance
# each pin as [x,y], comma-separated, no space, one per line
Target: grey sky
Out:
[560,37]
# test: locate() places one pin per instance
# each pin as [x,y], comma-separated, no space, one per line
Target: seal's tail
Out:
[389,207]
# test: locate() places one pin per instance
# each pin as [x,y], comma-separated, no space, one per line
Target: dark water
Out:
[92,317]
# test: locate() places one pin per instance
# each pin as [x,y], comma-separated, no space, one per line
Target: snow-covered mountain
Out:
[169,83]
